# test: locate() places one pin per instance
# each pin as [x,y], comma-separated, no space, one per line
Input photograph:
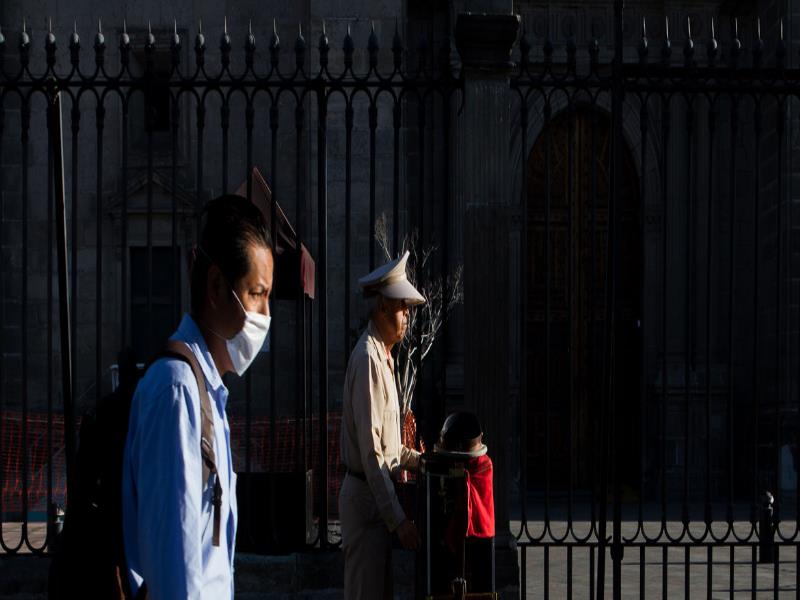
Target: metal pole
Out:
[54,127]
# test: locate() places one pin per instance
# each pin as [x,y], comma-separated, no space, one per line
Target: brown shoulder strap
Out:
[182,351]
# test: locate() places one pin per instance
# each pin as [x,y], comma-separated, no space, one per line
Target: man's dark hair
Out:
[230,224]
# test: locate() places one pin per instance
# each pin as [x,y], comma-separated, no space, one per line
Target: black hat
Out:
[461,434]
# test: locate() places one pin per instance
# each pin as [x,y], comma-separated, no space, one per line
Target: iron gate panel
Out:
[658,394]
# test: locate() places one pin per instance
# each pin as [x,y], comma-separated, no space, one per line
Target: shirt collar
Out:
[375,335]
[189,332]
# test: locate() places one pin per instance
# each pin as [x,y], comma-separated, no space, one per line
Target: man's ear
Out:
[214,286]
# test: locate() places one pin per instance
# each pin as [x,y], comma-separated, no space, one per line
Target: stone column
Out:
[484,43]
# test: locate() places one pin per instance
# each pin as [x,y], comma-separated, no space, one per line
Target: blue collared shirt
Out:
[168,518]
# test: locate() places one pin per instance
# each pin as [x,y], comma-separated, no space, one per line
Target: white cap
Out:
[391,281]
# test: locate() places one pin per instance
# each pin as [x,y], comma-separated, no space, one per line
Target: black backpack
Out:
[88,554]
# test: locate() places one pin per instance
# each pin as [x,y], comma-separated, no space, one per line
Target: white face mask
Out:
[243,347]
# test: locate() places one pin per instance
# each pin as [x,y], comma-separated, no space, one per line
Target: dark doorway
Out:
[579,162]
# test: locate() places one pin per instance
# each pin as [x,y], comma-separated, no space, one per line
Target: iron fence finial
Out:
[666,49]
[758,47]
[99,40]
[712,46]
[780,49]
[397,46]
[324,47]
[250,44]
[688,49]
[372,47]
[348,48]
[736,43]
[300,47]
[643,43]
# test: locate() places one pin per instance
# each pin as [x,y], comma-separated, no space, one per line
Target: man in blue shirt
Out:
[168,511]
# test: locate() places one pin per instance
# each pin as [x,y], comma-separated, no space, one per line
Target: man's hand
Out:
[409,536]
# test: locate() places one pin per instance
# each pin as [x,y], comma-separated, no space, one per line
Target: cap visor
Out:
[403,290]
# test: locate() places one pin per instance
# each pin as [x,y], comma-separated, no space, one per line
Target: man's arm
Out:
[169,478]
[368,412]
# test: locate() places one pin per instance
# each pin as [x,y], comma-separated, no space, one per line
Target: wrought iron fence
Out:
[659,389]
[657,323]
[152,130]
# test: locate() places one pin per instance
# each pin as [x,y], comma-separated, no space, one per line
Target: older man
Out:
[371,449]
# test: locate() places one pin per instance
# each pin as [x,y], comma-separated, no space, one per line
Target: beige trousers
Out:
[366,542]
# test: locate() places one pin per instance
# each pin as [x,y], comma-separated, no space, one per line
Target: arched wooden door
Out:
[578,237]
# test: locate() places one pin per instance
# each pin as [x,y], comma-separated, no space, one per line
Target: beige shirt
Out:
[371,424]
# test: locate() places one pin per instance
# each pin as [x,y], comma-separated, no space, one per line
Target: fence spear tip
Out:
[99,25]
[175,25]
[666,26]
[225,24]
[689,26]
[644,26]
[200,26]
[713,34]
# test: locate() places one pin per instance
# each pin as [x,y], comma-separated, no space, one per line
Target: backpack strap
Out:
[179,350]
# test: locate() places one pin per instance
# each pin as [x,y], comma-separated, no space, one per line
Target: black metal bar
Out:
[572,452]
[755,314]
[149,233]
[686,574]
[300,308]
[569,572]
[421,158]
[274,122]
[124,228]
[709,291]
[348,192]
[373,124]
[445,241]
[597,456]
[547,309]
[546,578]
[225,118]
[688,318]
[731,574]
[643,130]
[25,114]
[54,125]
[98,367]
[642,568]
[731,301]
[248,177]
[523,303]
[397,112]
[2,303]
[322,248]
[75,114]
[176,257]
[50,201]
[617,97]
[778,311]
